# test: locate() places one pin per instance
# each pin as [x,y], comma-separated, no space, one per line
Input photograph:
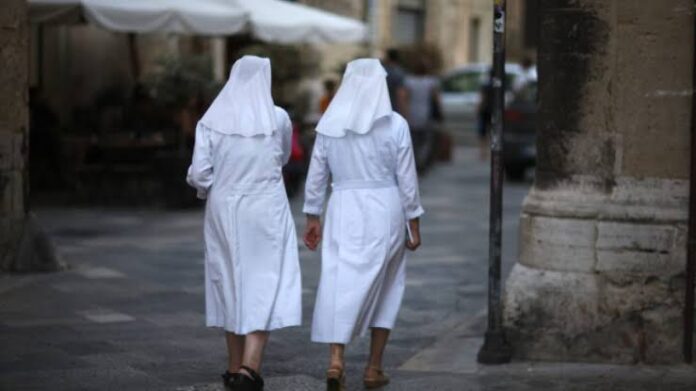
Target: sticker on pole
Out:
[499,22]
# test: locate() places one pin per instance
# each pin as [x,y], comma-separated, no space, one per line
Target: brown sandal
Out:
[335,379]
[377,381]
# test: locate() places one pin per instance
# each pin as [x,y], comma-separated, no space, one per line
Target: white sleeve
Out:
[200,173]
[406,176]
[286,137]
[317,179]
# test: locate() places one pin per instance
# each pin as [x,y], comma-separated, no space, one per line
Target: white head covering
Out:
[362,99]
[245,105]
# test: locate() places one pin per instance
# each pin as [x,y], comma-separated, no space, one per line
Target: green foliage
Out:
[177,80]
[289,62]
[419,55]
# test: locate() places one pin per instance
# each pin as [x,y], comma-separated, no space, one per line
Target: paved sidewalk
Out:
[128,314]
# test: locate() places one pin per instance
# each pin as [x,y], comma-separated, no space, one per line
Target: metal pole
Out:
[688,347]
[495,349]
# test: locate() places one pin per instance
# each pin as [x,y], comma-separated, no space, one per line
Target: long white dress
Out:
[374,193]
[252,275]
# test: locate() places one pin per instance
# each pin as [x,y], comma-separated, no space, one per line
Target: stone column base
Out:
[601,274]
[27,247]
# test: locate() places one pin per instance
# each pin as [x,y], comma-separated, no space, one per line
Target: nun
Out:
[372,217]
[252,274]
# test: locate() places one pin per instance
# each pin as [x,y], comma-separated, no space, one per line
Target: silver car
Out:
[460,92]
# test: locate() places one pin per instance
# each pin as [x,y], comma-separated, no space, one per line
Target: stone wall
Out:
[23,245]
[600,275]
[13,123]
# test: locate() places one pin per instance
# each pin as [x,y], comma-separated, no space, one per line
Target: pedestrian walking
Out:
[424,113]
[527,75]
[365,147]
[485,114]
[396,78]
[329,92]
[252,275]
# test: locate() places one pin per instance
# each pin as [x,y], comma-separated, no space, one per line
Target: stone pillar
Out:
[600,275]
[22,245]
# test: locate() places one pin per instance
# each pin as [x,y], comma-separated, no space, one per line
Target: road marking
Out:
[100,272]
[104,315]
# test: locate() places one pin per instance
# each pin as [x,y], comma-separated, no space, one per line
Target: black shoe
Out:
[228,380]
[253,382]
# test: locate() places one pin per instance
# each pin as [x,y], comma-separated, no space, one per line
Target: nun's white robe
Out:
[374,193]
[252,275]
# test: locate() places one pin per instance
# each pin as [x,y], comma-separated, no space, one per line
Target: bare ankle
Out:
[249,371]
[373,367]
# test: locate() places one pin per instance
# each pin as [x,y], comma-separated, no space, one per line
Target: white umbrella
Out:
[209,17]
[268,20]
[204,17]
[285,22]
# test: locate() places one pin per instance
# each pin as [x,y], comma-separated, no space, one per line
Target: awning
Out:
[268,20]
[285,22]
[204,17]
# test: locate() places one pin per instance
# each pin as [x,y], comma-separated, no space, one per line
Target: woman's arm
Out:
[406,176]
[317,179]
[315,193]
[200,173]
[407,180]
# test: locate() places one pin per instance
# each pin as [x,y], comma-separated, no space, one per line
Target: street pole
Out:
[495,349]
[688,347]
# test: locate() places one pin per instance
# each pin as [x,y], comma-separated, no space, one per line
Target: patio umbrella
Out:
[267,20]
[202,17]
[285,22]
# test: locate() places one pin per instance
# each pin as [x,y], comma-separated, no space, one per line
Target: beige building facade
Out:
[460,29]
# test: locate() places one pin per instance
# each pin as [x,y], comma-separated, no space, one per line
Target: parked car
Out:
[519,136]
[460,89]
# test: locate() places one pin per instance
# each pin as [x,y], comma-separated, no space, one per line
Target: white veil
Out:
[245,105]
[362,99]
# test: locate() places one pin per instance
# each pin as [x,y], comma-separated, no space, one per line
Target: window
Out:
[409,22]
[474,39]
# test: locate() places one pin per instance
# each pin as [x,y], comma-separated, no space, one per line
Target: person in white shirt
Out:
[365,148]
[252,274]
[528,75]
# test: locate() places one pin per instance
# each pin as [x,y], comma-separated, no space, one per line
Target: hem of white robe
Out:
[246,330]
[345,340]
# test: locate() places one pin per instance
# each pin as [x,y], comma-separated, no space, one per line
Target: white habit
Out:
[252,274]
[366,149]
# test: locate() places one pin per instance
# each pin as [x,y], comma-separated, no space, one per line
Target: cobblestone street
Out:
[128,313]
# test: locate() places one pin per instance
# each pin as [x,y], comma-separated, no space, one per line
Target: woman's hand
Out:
[312,233]
[414,241]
